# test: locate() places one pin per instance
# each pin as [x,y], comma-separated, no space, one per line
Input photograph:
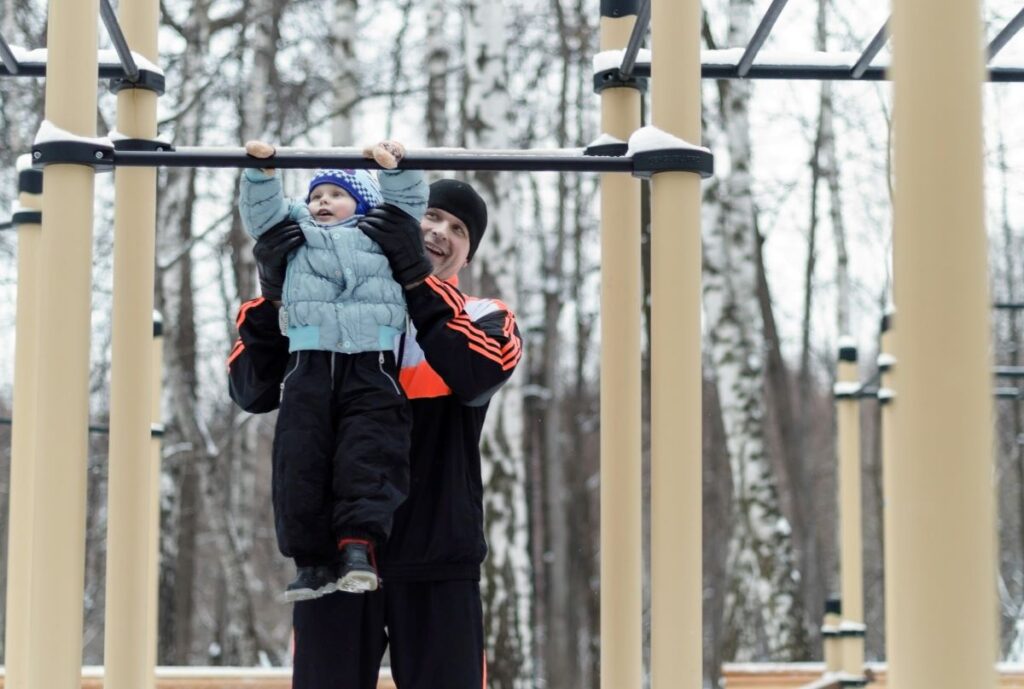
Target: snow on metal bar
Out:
[643,20]
[1004,36]
[1008,371]
[864,62]
[32,63]
[124,54]
[759,37]
[531,160]
[8,58]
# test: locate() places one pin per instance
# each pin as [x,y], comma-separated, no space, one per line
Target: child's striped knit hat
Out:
[360,183]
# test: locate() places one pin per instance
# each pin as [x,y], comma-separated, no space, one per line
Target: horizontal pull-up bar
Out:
[642,163]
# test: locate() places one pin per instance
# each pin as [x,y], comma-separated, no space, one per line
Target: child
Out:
[341,446]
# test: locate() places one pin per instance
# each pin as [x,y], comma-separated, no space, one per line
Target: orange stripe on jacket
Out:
[421,381]
[236,351]
[245,307]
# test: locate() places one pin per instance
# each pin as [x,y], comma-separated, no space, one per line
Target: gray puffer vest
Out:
[339,294]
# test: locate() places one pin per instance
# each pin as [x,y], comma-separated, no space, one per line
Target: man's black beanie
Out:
[462,201]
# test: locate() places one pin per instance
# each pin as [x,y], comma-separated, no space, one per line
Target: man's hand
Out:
[261,149]
[401,240]
[271,254]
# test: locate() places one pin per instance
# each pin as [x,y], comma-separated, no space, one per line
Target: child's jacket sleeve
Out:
[261,202]
[406,189]
[473,356]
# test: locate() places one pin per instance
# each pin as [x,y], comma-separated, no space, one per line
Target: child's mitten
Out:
[387,153]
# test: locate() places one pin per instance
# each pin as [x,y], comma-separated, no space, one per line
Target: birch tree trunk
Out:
[763,618]
[346,71]
[506,584]
[438,56]
[180,490]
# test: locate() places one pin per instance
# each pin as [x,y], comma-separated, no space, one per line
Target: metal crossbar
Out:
[1004,36]
[636,37]
[864,61]
[7,57]
[760,35]
[437,159]
[124,53]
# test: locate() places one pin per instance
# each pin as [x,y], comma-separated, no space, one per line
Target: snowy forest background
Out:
[796,241]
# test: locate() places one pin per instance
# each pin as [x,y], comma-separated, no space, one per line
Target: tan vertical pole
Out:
[153,548]
[61,434]
[26,362]
[131,388]
[887,401]
[676,589]
[850,541]
[943,495]
[621,282]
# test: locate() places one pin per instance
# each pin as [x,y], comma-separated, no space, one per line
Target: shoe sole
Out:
[358,582]
[299,595]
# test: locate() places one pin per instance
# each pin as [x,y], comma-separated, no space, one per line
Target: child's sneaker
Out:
[357,572]
[311,582]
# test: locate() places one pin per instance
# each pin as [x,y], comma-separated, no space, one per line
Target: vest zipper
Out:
[380,362]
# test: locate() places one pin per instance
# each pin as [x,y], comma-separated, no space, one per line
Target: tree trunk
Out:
[507,594]
[763,616]
[346,71]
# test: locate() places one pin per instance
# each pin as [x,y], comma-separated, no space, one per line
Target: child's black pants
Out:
[341,452]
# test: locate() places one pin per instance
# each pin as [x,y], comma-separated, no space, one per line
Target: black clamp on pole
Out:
[614,79]
[27,217]
[650,162]
[147,80]
[612,149]
[95,154]
[30,181]
[142,145]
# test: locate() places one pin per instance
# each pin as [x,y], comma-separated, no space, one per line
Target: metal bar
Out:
[869,53]
[1004,36]
[1008,305]
[552,160]
[760,36]
[807,71]
[636,37]
[1008,394]
[1008,371]
[6,225]
[7,57]
[124,53]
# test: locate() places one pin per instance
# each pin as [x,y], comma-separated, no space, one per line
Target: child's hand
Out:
[260,149]
[387,153]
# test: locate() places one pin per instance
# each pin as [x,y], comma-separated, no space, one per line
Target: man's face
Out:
[446,240]
[329,203]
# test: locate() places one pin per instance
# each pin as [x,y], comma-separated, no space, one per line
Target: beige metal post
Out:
[131,388]
[26,363]
[887,401]
[153,548]
[621,280]
[943,495]
[831,637]
[850,541]
[61,434]
[676,589]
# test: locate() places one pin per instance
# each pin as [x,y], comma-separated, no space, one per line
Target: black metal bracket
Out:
[94,154]
[616,149]
[147,80]
[614,79]
[142,145]
[27,218]
[649,163]
[30,182]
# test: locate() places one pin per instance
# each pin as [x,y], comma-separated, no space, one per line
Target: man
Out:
[456,354]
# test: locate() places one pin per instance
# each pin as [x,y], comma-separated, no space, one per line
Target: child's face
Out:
[329,204]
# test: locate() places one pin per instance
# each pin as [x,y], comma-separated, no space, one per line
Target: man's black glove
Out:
[271,254]
[401,240]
